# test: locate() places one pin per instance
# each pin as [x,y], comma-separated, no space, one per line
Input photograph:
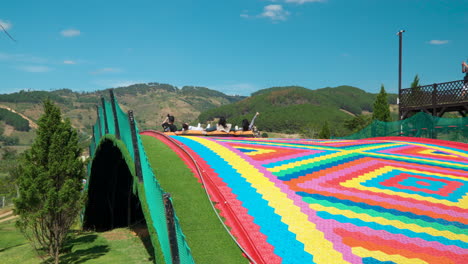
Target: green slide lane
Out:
[205,235]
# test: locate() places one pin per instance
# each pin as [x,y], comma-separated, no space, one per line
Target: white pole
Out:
[3,201]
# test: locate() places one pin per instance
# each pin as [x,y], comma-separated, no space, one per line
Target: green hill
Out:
[149,101]
[295,109]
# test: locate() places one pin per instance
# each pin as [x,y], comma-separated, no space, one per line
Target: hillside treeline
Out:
[295,109]
[30,97]
[15,120]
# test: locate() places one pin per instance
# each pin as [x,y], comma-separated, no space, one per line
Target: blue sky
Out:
[234,46]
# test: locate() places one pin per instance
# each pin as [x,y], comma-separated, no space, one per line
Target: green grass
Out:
[116,246]
[207,238]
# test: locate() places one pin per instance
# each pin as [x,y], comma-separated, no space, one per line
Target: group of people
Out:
[222,125]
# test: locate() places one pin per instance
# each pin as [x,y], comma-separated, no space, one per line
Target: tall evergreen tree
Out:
[416,93]
[50,183]
[381,106]
[415,82]
[325,131]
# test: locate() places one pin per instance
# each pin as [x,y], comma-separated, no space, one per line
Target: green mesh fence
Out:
[420,125]
[110,117]
[152,190]
[125,131]
[102,121]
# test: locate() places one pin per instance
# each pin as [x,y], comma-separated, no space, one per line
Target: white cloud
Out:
[300,2]
[115,83]
[5,24]
[107,70]
[70,33]
[34,68]
[438,42]
[69,62]
[275,13]
[244,15]
[21,58]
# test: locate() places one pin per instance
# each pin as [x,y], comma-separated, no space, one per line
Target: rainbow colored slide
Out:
[384,200]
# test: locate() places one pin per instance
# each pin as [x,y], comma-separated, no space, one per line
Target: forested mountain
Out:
[291,109]
[150,103]
[295,109]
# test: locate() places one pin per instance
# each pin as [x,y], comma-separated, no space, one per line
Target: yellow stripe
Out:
[381,256]
[431,152]
[384,221]
[356,184]
[306,232]
[307,161]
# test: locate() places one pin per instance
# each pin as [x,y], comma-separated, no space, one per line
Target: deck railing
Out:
[438,94]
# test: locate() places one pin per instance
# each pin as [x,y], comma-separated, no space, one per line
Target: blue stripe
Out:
[286,246]
[370,260]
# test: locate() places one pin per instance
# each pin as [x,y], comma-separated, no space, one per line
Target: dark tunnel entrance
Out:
[111,202]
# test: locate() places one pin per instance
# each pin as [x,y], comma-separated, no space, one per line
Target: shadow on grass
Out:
[82,255]
[142,232]
[7,248]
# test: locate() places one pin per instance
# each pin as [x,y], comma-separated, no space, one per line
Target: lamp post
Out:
[400,34]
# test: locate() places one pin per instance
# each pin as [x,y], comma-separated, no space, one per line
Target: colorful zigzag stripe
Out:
[346,201]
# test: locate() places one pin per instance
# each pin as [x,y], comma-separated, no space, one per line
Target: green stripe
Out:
[283,173]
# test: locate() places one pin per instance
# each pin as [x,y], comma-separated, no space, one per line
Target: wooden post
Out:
[136,151]
[171,228]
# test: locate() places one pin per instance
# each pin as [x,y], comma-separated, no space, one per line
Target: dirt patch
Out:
[141,232]
[281,135]
[8,218]
[6,214]
[31,123]
[115,235]
[8,130]
[347,112]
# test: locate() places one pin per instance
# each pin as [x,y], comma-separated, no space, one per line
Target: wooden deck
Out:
[435,99]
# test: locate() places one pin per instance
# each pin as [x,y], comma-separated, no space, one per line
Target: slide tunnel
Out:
[111,201]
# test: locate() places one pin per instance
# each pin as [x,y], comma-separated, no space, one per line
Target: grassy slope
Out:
[205,235]
[116,246]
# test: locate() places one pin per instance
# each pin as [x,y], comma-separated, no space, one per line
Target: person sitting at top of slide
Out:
[168,124]
[246,126]
[187,127]
[221,126]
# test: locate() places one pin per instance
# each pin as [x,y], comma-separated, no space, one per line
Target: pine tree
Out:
[415,82]
[325,131]
[415,93]
[50,196]
[381,107]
